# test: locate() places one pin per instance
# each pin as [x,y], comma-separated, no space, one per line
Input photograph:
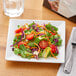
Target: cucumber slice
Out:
[46,52]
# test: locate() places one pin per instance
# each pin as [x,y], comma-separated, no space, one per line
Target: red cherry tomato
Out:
[18,30]
[20,43]
[53,48]
[29,36]
[52,33]
[43,44]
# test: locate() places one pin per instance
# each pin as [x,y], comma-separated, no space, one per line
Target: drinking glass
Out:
[13,8]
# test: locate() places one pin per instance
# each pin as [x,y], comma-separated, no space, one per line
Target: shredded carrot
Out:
[27,47]
[32,56]
[48,40]
[27,55]
[46,29]
[49,43]
[37,46]
[40,33]
[39,26]
[32,31]
[26,34]
[33,47]
[53,55]
[27,42]
[44,32]
[19,34]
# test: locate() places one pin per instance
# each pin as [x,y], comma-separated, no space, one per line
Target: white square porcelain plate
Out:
[10,56]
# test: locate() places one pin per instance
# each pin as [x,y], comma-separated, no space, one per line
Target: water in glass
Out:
[13,8]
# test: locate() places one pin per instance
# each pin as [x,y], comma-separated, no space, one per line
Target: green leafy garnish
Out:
[27,49]
[17,51]
[24,51]
[31,24]
[59,42]
[55,54]
[31,44]
[51,27]
[48,34]
[40,54]
[22,47]
[51,39]
[26,54]
[31,29]
[56,36]
[40,29]
[15,38]
[18,26]
[26,31]
[37,40]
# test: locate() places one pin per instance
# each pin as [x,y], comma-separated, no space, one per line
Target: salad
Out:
[36,41]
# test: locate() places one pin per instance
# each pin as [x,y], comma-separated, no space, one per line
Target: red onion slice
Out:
[57,50]
[44,25]
[37,30]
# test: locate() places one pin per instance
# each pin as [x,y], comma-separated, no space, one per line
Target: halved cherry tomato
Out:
[53,48]
[29,36]
[18,30]
[52,33]
[20,43]
[43,44]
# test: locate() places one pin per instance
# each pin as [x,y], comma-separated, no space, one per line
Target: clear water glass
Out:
[13,8]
